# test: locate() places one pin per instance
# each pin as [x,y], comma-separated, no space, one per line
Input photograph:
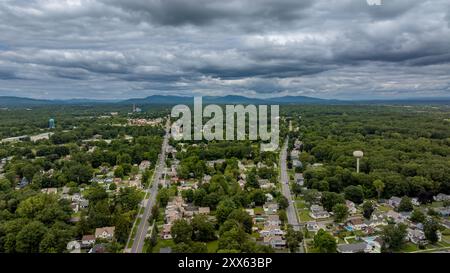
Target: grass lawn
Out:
[212,246]
[352,240]
[258,210]
[162,244]
[437,245]
[409,247]
[300,204]
[76,214]
[310,247]
[436,204]
[446,238]
[304,216]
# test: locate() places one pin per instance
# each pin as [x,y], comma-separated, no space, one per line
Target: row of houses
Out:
[89,240]
[394,201]
[295,154]
[177,209]
[271,233]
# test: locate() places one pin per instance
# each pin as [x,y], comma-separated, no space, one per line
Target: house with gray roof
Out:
[360,247]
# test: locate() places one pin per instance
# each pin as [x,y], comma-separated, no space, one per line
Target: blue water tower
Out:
[51,124]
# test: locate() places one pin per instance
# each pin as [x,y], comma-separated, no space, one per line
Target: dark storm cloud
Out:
[134,48]
[204,12]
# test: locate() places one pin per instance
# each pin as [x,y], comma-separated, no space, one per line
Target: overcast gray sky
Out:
[113,49]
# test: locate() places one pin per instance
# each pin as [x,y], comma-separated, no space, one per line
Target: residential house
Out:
[350,206]
[50,190]
[136,182]
[360,247]
[270,208]
[395,216]
[274,241]
[299,179]
[74,207]
[144,165]
[441,197]
[374,244]
[273,220]
[100,248]
[204,210]
[405,214]
[357,223]
[444,212]
[250,212]
[172,215]
[377,219]
[65,190]
[83,203]
[206,178]
[416,236]
[271,230]
[165,232]
[446,223]
[261,165]
[213,162]
[74,220]
[318,212]
[298,144]
[76,197]
[87,240]
[269,197]
[375,223]
[241,183]
[312,226]
[297,163]
[23,183]
[394,201]
[106,233]
[265,184]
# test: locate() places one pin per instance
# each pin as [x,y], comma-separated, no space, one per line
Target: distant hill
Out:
[16,101]
[159,99]
[411,101]
[230,99]
[10,101]
[303,100]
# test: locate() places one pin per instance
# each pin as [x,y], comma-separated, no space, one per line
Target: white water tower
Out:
[358,155]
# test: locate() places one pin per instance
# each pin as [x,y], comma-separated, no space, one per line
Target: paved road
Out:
[138,242]
[291,213]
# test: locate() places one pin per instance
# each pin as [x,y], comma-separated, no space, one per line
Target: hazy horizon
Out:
[114,50]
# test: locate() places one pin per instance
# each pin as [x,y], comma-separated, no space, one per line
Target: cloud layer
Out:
[324,48]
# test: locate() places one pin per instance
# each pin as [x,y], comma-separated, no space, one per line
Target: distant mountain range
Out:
[230,99]
[9,101]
